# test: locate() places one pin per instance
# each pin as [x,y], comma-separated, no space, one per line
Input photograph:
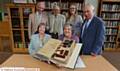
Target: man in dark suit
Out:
[92,32]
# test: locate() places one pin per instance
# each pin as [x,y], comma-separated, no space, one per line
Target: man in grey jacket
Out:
[56,22]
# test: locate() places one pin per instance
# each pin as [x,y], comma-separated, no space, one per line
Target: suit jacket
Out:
[93,38]
[34,20]
[59,24]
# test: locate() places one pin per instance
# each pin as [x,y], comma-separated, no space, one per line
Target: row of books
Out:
[15,23]
[111,7]
[20,45]
[110,38]
[26,36]
[109,45]
[15,11]
[63,5]
[25,21]
[111,31]
[111,15]
[112,23]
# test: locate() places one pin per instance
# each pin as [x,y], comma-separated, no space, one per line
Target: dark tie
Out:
[84,28]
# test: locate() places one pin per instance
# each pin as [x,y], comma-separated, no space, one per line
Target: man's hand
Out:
[93,54]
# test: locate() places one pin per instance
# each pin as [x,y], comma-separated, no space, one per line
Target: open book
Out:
[63,53]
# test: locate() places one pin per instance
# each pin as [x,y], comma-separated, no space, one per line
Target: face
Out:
[67,31]
[40,6]
[72,9]
[56,10]
[88,12]
[42,29]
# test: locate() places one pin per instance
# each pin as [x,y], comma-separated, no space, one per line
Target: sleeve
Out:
[64,20]
[61,37]
[77,39]
[31,48]
[78,26]
[100,38]
[62,24]
[47,23]
[80,19]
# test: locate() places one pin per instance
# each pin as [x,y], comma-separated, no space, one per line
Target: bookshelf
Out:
[118,39]
[18,20]
[110,13]
[64,4]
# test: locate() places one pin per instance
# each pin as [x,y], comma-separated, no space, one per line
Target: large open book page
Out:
[62,53]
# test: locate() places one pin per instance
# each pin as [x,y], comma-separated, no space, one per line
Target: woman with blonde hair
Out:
[74,19]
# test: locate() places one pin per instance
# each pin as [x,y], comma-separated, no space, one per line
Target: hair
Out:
[55,6]
[66,25]
[39,2]
[72,5]
[90,6]
[68,15]
[41,24]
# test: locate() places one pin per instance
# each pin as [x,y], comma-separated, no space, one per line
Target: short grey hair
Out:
[90,6]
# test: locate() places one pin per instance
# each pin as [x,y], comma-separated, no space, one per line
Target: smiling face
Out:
[72,9]
[68,31]
[41,29]
[40,6]
[56,10]
[88,11]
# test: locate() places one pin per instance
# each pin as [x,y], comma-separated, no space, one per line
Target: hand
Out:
[93,54]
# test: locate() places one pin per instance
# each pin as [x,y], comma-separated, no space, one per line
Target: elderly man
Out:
[92,32]
[36,18]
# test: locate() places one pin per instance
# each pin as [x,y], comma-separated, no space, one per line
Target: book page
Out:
[49,48]
[72,61]
[80,63]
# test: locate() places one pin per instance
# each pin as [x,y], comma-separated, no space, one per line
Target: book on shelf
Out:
[111,15]
[61,53]
[111,7]
[109,45]
[111,23]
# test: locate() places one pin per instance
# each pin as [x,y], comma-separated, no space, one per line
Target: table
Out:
[97,63]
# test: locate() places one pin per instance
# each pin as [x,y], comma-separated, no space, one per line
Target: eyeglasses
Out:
[72,8]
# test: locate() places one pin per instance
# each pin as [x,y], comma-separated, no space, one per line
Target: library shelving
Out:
[118,39]
[64,4]
[18,19]
[110,13]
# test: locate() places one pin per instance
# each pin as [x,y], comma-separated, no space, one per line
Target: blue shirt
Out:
[36,43]
[86,25]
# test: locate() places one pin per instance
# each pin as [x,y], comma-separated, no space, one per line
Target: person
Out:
[74,19]
[56,22]
[38,40]
[36,18]
[68,34]
[92,32]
